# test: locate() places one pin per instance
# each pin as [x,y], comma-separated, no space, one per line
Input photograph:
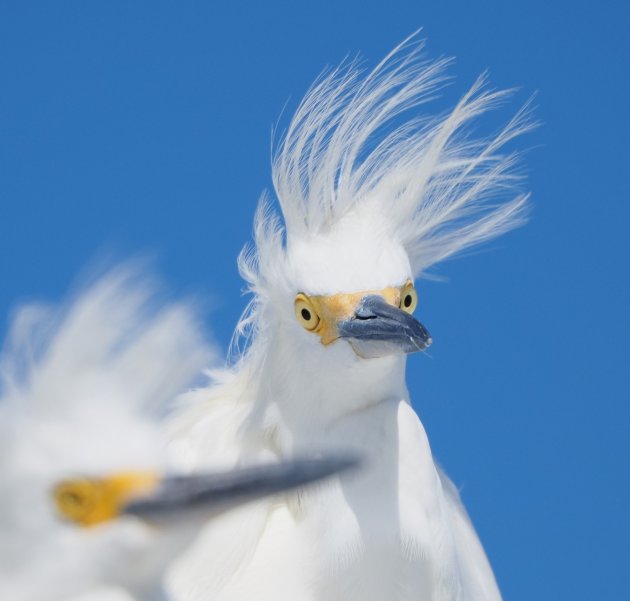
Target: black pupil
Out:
[74,498]
[408,300]
[306,314]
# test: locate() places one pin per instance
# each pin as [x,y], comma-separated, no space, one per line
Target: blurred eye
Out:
[76,499]
[305,313]
[408,298]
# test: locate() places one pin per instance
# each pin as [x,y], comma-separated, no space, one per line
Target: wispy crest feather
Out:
[441,190]
[113,341]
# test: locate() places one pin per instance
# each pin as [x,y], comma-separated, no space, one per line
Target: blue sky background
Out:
[145,126]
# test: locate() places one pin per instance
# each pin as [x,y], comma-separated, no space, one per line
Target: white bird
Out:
[83,393]
[370,200]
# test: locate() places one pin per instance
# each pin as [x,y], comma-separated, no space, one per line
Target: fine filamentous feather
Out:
[83,388]
[346,146]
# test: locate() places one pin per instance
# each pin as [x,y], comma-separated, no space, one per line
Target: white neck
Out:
[308,393]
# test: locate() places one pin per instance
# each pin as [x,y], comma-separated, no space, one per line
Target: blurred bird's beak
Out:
[378,328]
[220,491]
[89,502]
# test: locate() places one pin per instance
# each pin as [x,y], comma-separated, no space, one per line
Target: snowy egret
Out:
[83,393]
[369,200]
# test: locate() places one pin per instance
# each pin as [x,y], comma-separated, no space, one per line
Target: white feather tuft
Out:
[346,147]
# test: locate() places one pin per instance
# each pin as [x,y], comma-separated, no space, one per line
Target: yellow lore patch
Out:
[322,314]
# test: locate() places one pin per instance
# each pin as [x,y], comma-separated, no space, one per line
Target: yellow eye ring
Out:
[305,313]
[76,499]
[408,298]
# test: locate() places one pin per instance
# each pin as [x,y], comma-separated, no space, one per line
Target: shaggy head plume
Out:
[350,154]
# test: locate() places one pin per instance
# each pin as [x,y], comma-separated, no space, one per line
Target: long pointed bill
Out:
[210,491]
[378,328]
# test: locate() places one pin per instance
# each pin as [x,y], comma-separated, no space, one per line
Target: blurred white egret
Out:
[83,393]
[366,209]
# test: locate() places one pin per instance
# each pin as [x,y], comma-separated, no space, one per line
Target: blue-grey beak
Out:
[378,328]
[207,492]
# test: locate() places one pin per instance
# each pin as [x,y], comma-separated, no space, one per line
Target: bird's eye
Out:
[408,298]
[75,499]
[305,313]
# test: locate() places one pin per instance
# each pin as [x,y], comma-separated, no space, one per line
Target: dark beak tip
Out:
[426,339]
